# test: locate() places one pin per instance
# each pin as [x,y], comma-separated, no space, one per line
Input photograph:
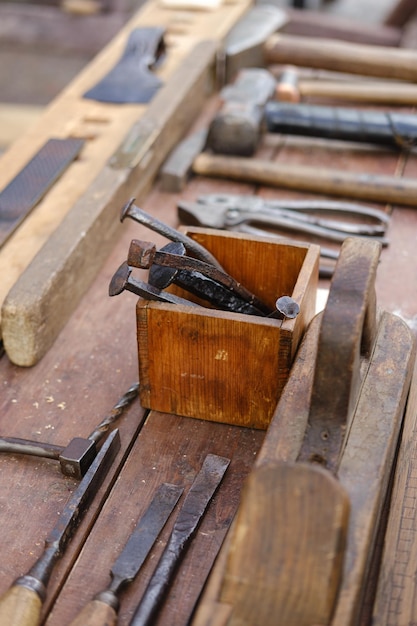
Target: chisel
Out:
[103,608]
[21,605]
[186,524]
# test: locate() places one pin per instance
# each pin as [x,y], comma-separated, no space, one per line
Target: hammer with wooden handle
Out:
[256,43]
[293,88]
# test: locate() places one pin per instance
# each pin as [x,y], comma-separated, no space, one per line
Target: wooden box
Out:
[221,366]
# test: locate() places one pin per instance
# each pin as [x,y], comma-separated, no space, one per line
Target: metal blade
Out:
[192,510]
[29,186]
[145,534]
[71,516]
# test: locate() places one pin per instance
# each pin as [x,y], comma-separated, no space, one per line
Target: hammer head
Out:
[77,457]
[245,42]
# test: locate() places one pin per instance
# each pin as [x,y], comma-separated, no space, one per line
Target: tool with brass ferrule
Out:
[21,605]
[75,458]
[193,508]
[103,608]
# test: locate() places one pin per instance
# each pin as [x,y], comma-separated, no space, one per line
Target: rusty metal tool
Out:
[122,280]
[131,79]
[29,186]
[21,604]
[254,42]
[186,524]
[193,247]
[239,122]
[144,254]
[198,284]
[235,212]
[77,456]
[105,605]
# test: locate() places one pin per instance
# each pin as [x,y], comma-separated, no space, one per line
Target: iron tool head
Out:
[244,43]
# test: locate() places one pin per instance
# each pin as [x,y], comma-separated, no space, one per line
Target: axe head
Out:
[245,41]
[131,79]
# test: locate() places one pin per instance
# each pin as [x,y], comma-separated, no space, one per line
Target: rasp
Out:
[186,524]
[29,186]
[21,605]
[103,608]
[131,79]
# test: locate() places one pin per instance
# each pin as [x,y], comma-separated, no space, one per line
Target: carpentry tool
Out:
[105,605]
[363,186]
[252,43]
[131,79]
[75,458]
[236,212]
[144,255]
[394,130]
[22,603]
[293,557]
[185,527]
[293,88]
[29,186]
[242,119]
[122,280]
[140,216]
[239,120]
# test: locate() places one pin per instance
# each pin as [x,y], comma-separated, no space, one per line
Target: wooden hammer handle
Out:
[340,56]
[365,187]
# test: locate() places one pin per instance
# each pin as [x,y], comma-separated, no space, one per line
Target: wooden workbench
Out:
[92,363]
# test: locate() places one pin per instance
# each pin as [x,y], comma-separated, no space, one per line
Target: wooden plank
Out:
[395,602]
[89,179]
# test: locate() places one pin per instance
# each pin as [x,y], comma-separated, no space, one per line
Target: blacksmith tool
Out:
[236,212]
[240,118]
[105,605]
[185,527]
[293,87]
[122,280]
[254,42]
[193,247]
[29,186]
[77,456]
[238,126]
[172,256]
[21,605]
[131,79]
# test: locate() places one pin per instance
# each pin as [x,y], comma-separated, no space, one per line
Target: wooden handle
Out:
[372,93]
[286,553]
[365,187]
[20,606]
[339,56]
[96,613]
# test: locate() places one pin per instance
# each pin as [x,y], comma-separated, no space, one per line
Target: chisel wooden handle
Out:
[20,606]
[342,56]
[96,613]
[365,187]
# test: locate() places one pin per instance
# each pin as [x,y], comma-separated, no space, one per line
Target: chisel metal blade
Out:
[185,527]
[22,604]
[145,534]
[103,608]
